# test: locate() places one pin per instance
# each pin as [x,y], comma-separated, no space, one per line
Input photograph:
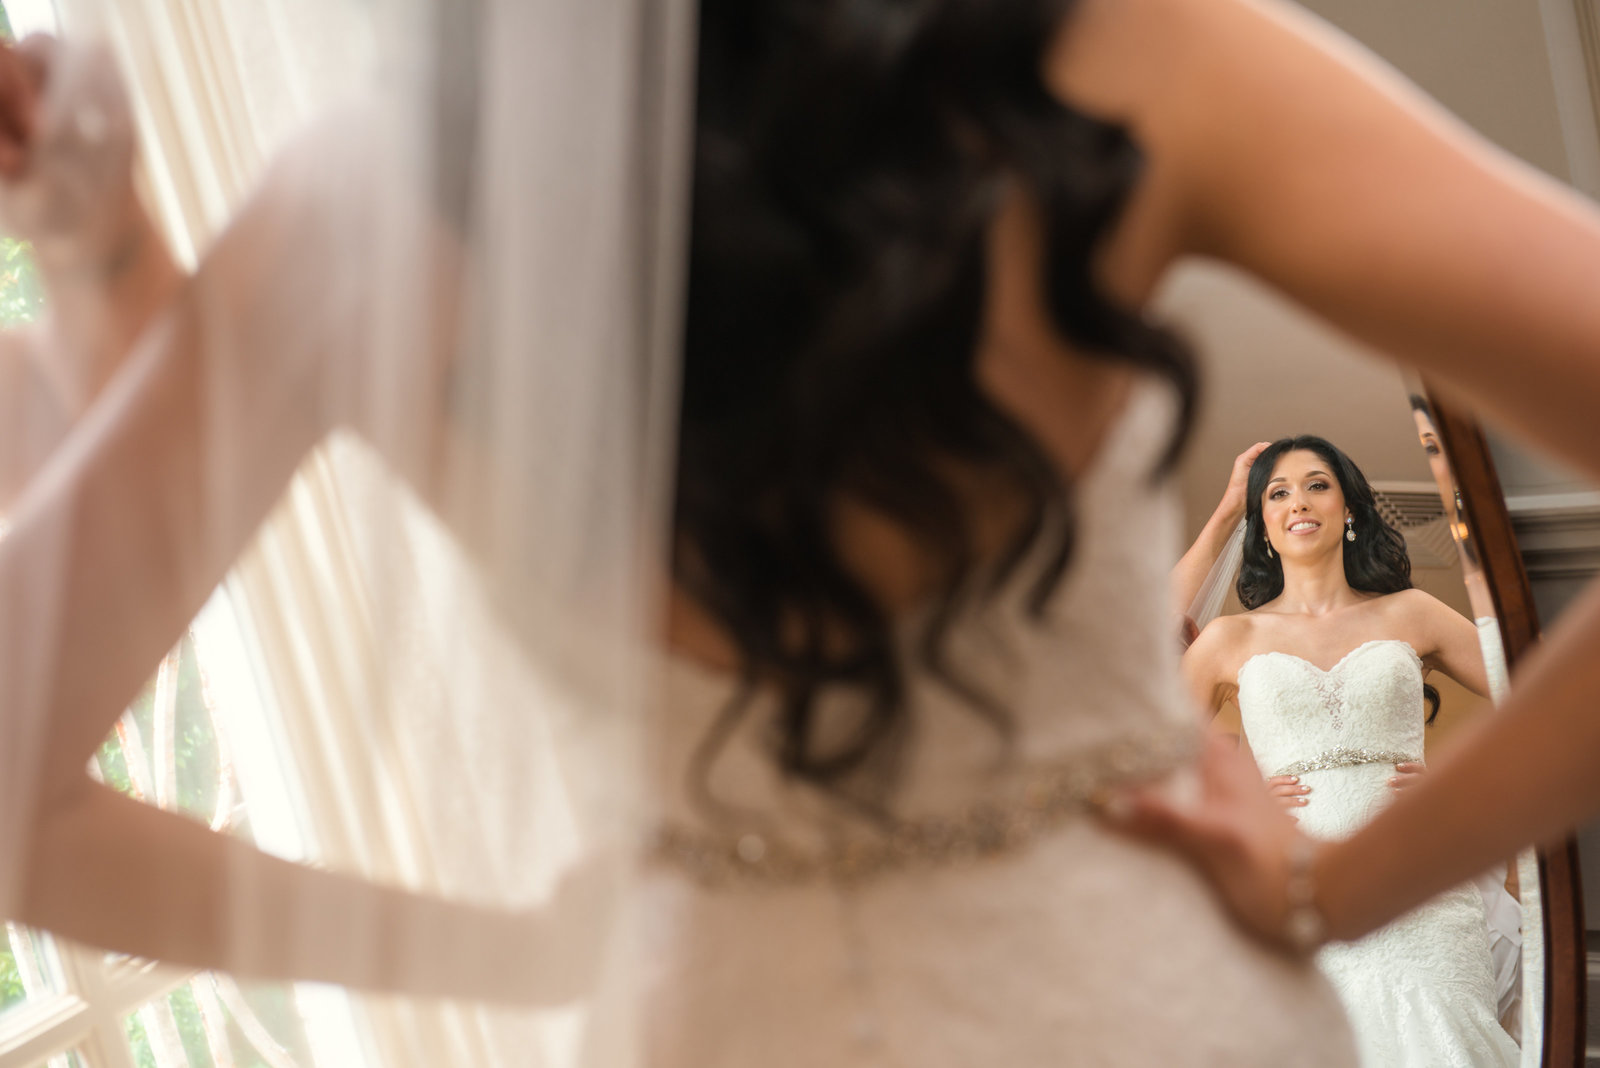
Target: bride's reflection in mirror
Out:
[1511,893]
[1329,665]
[1479,600]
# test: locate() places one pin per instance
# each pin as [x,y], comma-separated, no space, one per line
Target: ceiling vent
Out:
[1414,509]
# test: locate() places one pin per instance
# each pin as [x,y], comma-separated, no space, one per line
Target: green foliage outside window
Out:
[21,292]
[21,300]
[272,1006]
[196,754]
[11,992]
[21,295]
[191,1031]
[197,759]
[36,955]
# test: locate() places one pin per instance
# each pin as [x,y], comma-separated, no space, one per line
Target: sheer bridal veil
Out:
[461,282]
[1213,593]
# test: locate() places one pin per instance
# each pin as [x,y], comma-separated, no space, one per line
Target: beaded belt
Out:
[1037,801]
[1345,758]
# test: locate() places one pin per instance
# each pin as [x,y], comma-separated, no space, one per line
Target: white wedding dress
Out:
[1002,928]
[1420,992]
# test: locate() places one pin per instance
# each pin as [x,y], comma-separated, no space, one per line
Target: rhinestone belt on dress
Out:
[1345,757]
[1037,801]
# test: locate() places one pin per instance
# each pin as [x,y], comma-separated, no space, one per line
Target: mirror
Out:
[1521,75]
[1315,691]
[1328,695]
[1523,879]
[1554,965]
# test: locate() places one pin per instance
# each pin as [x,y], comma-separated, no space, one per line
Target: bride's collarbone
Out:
[1323,642]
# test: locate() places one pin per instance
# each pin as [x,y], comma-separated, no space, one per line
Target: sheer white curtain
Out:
[463,686]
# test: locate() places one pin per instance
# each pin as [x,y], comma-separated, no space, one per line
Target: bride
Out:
[923,432]
[1327,666]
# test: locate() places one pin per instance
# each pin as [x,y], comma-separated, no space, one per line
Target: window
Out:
[67,1006]
[198,740]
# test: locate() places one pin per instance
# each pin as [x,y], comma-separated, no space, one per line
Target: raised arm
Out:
[118,542]
[115,547]
[52,371]
[1320,171]
[134,521]
[1190,573]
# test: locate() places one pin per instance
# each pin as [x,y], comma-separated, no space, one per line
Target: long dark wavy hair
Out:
[1376,562]
[850,156]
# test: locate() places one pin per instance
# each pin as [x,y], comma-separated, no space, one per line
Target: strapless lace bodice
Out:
[1057,943]
[1365,713]
[1420,992]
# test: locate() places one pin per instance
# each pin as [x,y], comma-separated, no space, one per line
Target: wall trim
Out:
[1558,533]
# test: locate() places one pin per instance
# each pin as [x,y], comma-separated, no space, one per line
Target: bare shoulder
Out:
[1211,666]
[1128,61]
[1414,606]
[1210,89]
[1153,63]
[1109,56]
[1423,620]
[1241,105]
[1222,643]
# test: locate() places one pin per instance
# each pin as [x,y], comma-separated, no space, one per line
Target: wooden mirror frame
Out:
[1566,969]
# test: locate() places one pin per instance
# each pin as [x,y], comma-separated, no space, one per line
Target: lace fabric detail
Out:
[1331,686]
[1038,801]
[1294,711]
[1421,992]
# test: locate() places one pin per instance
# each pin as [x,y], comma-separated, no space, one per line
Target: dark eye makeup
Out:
[1318,485]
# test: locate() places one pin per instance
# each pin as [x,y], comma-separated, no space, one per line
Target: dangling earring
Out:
[1268,542]
[1349,528]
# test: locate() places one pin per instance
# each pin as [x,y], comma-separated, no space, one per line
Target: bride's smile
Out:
[1302,505]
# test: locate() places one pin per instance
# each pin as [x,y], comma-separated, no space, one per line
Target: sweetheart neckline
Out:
[1337,664]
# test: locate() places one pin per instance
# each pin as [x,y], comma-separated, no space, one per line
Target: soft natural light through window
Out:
[200,739]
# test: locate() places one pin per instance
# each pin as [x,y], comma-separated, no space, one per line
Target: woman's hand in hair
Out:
[1233,497]
[1190,573]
